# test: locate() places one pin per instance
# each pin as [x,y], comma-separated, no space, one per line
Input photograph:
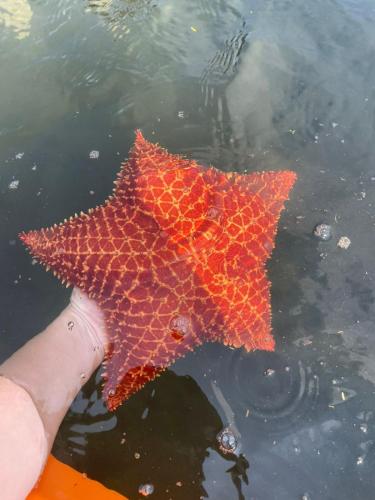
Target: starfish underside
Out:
[175,257]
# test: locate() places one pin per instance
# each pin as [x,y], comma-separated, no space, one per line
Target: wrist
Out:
[53,365]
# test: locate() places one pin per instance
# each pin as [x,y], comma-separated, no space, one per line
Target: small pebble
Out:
[14,184]
[227,441]
[323,232]
[146,489]
[364,428]
[269,372]
[94,155]
[344,242]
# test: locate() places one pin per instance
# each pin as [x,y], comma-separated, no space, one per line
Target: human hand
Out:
[38,384]
[53,366]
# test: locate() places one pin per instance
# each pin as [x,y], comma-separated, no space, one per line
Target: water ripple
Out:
[272,392]
[119,16]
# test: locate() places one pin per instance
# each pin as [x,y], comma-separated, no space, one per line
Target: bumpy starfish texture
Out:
[175,257]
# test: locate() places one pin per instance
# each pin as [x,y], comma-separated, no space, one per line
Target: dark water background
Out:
[242,85]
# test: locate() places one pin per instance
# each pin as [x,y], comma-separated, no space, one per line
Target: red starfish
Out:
[175,257]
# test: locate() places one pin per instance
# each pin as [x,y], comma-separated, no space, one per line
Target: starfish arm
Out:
[137,357]
[246,309]
[233,269]
[150,326]
[145,158]
[100,252]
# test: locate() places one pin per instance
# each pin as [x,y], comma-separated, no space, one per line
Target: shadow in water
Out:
[161,440]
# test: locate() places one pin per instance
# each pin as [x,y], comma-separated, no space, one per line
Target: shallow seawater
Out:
[244,86]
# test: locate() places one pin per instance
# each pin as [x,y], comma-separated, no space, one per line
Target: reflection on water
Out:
[119,15]
[170,457]
[16,15]
[243,86]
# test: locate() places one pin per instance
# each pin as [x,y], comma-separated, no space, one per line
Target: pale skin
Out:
[37,386]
